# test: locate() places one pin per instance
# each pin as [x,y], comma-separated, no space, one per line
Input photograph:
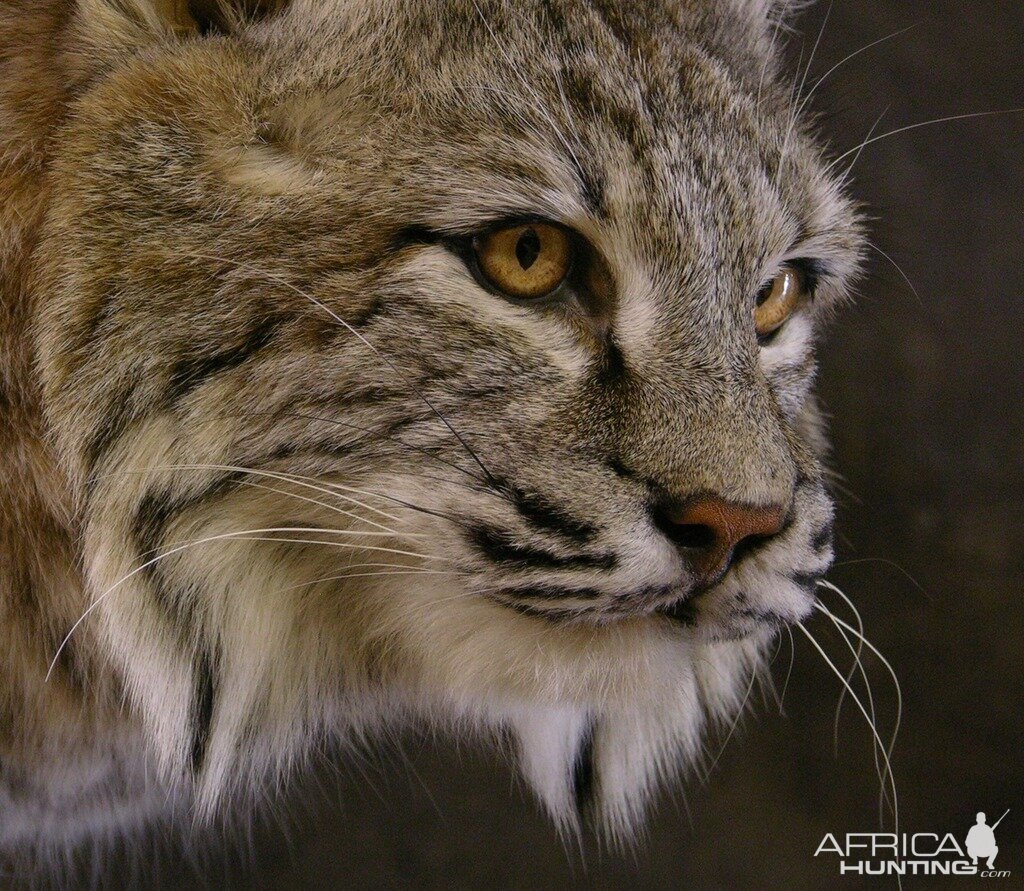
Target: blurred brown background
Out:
[928,427]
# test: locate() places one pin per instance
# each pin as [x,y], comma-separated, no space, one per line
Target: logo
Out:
[918,853]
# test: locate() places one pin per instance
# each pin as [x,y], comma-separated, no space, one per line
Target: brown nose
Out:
[710,530]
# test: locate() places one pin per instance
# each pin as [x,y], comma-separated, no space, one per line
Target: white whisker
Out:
[351,330]
[773,43]
[307,482]
[789,671]
[735,722]
[885,561]
[881,658]
[898,268]
[399,569]
[797,102]
[524,82]
[846,59]
[942,120]
[228,536]
[768,680]
[321,530]
[858,665]
[867,137]
[863,711]
[317,501]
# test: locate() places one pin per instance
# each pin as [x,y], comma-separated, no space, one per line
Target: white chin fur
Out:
[623,705]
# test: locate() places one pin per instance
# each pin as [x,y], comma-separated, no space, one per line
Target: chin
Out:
[600,715]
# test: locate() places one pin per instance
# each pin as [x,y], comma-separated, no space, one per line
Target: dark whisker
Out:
[419,393]
[380,434]
[921,588]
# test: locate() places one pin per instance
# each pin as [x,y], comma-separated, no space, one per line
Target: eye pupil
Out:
[525,260]
[528,248]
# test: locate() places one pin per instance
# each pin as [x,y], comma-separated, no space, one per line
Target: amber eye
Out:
[525,261]
[778,300]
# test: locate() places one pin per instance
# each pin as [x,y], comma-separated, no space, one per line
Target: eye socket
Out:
[526,261]
[778,300]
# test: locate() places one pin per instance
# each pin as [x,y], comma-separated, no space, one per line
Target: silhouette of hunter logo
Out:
[981,840]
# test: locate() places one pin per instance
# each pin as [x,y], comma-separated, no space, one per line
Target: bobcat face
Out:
[644,452]
[474,384]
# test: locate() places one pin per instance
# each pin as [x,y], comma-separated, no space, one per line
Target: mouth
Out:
[722,611]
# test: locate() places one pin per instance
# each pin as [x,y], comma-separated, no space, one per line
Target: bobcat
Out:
[377,362]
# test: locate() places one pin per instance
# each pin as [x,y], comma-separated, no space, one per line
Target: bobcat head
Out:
[443,362]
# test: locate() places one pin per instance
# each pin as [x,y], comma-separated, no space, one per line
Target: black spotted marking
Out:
[202,711]
[474,391]
[624,30]
[99,316]
[822,538]
[341,449]
[545,514]
[593,190]
[151,519]
[155,512]
[583,771]
[769,164]
[191,373]
[357,314]
[624,471]
[550,592]
[501,547]
[366,395]
[554,616]
[156,509]
[617,20]
[216,18]
[374,308]
[119,414]
[186,375]
[766,617]
[682,611]
[612,368]
[153,515]
[71,666]
[591,182]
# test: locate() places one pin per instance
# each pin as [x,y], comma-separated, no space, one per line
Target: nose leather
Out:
[708,530]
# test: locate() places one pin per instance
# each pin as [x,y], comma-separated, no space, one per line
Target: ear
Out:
[118,27]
